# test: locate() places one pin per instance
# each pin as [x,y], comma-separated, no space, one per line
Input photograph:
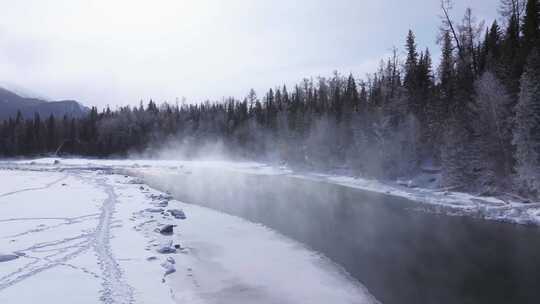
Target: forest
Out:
[476,115]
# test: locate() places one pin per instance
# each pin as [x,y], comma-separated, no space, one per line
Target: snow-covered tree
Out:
[493,129]
[526,135]
[458,156]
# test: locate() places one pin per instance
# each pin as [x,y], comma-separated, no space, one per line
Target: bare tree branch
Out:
[446,6]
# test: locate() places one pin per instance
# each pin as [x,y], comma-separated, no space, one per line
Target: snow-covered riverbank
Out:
[444,201]
[78,232]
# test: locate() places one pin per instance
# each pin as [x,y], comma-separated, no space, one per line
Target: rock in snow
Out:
[169,267]
[163,204]
[8,257]
[167,248]
[154,210]
[177,213]
[161,197]
[167,230]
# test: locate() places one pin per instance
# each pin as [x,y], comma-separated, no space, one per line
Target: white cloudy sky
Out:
[120,51]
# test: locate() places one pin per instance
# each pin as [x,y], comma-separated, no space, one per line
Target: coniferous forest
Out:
[476,115]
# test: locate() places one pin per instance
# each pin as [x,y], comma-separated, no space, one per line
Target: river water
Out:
[395,247]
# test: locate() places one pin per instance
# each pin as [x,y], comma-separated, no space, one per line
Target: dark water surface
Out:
[401,254]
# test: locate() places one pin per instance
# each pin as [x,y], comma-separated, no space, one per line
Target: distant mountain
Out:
[11,102]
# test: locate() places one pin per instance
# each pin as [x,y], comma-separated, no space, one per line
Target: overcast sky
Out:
[118,52]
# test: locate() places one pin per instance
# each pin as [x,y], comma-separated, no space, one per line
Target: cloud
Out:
[117,51]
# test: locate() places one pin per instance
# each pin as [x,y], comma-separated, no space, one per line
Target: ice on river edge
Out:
[82,234]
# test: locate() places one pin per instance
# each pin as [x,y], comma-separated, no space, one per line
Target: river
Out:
[395,247]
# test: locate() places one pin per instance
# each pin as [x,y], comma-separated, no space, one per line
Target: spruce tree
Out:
[490,52]
[526,135]
[446,77]
[531,26]
[51,133]
[511,61]
[411,62]
[352,99]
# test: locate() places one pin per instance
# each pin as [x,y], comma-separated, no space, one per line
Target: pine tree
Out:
[51,133]
[492,127]
[465,68]
[446,77]
[531,26]
[511,61]
[428,116]
[352,99]
[36,142]
[252,98]
[490,52]
[411,63]
[526,135]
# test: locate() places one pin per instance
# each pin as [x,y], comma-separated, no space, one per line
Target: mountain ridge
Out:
[11,103]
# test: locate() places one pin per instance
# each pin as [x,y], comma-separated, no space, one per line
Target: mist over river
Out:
[398,249]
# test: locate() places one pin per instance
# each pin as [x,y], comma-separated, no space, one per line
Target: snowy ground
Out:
[447,202]
[79,232]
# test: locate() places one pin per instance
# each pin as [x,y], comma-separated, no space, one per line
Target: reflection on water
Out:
[400,254]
